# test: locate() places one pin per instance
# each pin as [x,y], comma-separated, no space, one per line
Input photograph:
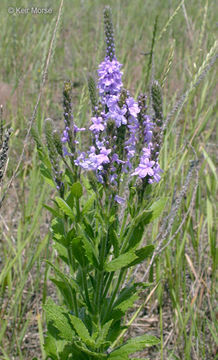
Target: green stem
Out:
[75,303]
[108,283]
[75,306]
[110,305]
[100,272]
[123,224]
[85,286]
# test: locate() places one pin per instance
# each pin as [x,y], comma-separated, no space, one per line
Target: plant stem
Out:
[85,286]
[108,283]
[110,305]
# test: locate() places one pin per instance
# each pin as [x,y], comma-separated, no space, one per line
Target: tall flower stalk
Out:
[95,243]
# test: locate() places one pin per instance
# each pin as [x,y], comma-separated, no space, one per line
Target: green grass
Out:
[186,270]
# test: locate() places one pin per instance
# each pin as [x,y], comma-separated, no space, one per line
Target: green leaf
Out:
[57,349]
[125,294]
[64,290]
[103,334]
[62,252]
[152,213]
[81,330]
[77,190]
[90,252]
[136,236]
[121,261]
[53,211]
[47,175]
[136,344]
[77,250]
[65,208]
[58,320]
[129,258]
[126,304]
[68,281]
[88,204]
[119,356]
[120,310]
[142,254]
[113,238]
[58,231]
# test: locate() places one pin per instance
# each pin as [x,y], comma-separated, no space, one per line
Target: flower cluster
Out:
[117,126]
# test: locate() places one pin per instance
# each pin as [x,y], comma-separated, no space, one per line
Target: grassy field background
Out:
[182,310]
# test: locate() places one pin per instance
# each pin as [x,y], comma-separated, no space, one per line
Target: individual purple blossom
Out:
[119,199]
[77,129]
[65,137]
[97,124]
[156,176]
[118,115]
[132,106]
[111,102]
[144,168]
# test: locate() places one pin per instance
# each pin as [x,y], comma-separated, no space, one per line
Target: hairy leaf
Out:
[103,334]
[142,254]
[58,319]
[81,330]
[121,261]
[77,190]
[136,344]
[65,208]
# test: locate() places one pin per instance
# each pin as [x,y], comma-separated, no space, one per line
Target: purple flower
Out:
[115,158]
[65,137]
[77,129]
[111,102]
[119,199]
[94,161]
[97,124]
[144,168]
[132,106]
[156,176]
[110,77]
[118,115]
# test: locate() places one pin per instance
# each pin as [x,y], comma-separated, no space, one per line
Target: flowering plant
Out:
[101,213]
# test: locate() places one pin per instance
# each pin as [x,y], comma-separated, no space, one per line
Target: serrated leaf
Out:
[89,251]
[126,304]
[103,334]
[136,236]
[77,190]
[57,349]
[152,213]
[119,357]
[81,330]
[62,251]
[142,254]
[120,262]
[87,206]
[136,344]
[47,175]
[77,250]
[125,294]
[68,281]
[58,231]
[64,290]
[58,319]
[53,211]
[113,238]
[65,208]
